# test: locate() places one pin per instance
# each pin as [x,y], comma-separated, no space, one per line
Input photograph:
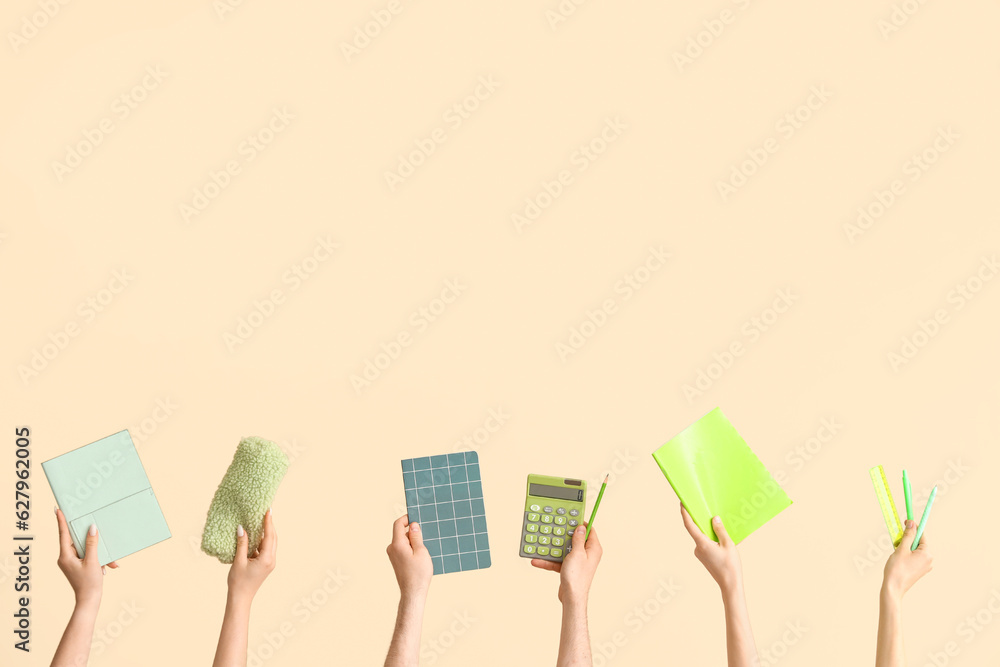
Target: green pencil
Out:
[909,496]
[590,524]
[923,519]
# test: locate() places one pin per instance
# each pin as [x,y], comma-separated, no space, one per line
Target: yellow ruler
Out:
[885,501]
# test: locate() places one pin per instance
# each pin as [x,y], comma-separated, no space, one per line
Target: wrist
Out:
[239,598]
[571,599]
[88,601]
[732,591]
[890,594]
[414,598]
[575,605]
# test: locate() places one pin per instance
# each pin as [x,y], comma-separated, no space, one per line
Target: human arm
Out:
[412,564]
[576,573]
[722,561]
[246,575]
[86,577]
[903,569]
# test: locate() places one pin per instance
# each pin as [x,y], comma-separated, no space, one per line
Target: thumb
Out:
[242,544]
[721,533]
[579,540]
[90,550]
[908,535]
[416,537]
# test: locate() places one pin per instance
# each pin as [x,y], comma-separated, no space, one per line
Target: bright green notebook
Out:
[714,472]
[104,483]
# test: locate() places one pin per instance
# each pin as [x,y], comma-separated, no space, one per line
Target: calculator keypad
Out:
[547,531]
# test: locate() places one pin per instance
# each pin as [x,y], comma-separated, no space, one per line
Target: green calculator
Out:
[553,509]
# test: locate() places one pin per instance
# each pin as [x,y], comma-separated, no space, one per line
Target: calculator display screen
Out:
[560,492]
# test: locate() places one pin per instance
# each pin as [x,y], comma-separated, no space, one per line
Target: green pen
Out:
[590,524]
[923,519]
[909,496]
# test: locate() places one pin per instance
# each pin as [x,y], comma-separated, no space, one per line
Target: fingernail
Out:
[716,519]
[93,529]
[270,511]
[56,510]
[239,531]
[415,527]
[103,571]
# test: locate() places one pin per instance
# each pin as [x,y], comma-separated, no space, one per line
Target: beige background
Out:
[161,338]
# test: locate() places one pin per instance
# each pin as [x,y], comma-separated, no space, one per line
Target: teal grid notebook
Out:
[444,494]
[104,483]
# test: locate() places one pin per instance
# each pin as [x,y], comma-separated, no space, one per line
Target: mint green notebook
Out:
[714,472]
[104,483]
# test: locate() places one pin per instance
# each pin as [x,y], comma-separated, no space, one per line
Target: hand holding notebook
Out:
[104,484]
[715,473]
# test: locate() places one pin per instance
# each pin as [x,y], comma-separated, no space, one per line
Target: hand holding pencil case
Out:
[243,497]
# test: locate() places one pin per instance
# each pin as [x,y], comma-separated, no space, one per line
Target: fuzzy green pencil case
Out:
[243,497]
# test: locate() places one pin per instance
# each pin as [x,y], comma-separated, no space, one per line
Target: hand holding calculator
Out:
[553,509]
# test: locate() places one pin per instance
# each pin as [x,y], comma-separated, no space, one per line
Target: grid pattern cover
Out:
[445,495]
